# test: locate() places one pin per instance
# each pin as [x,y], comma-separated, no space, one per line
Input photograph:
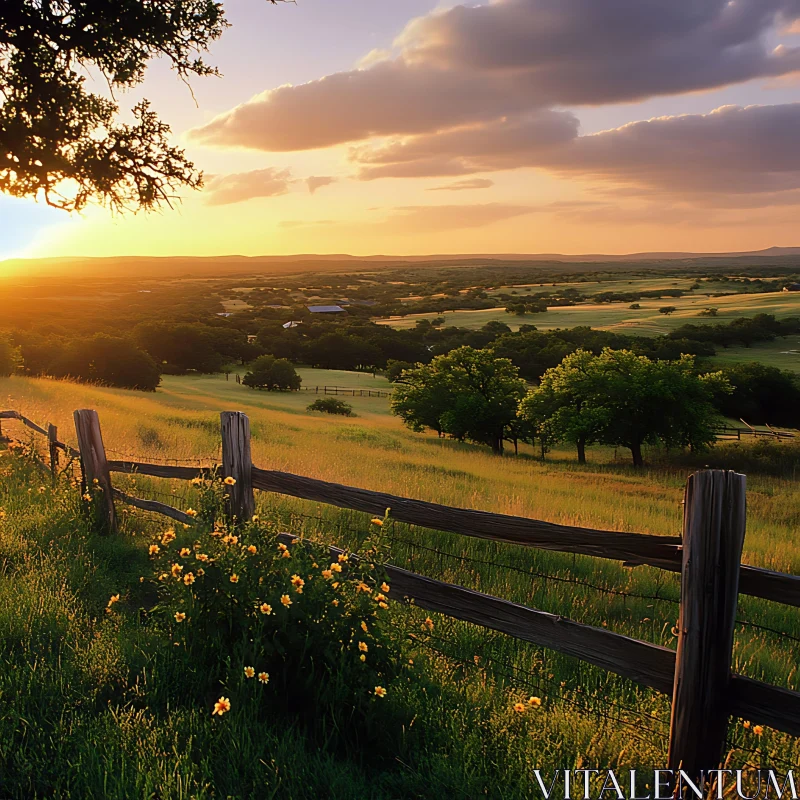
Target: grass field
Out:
[645,321]
[466,740]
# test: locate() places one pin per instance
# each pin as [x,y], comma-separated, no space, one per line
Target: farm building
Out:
[292,324]
[326,309]
[792,287]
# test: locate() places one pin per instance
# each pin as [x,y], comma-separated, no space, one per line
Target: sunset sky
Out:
[525,126]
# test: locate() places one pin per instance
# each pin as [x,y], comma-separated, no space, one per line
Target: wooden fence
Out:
[336,390]
[698,676]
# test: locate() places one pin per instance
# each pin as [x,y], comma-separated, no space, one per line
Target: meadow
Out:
[465,738]
[644,321]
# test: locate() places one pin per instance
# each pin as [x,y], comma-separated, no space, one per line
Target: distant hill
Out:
[208,266]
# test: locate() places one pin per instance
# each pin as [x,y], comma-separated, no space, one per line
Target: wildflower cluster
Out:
[276,621]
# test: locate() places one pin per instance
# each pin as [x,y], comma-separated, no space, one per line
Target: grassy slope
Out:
[374,451]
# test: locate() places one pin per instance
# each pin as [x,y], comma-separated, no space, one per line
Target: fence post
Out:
[237,463]
[713,536]
[52,442]
[94,464]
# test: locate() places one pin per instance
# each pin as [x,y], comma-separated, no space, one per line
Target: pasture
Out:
[474,744]
[644,321]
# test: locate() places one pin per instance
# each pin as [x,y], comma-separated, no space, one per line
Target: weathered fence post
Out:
[52,442]
[237,463]
[94,465]
[713,536]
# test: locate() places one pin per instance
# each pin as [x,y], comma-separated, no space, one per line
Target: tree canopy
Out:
[63,143]
[624,399]
[273,374]
[468,394]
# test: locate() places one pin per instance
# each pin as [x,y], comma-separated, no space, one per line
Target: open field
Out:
[645,321]
[469,706]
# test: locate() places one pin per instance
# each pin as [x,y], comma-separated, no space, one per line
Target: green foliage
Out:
[330,405]
[394,369]
[667,310]
[468,394]
[273,374]
[761,394]
[10,357]
[624,399]
[279,626]
[110,360]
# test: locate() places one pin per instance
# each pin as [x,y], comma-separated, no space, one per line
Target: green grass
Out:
[783,353]
[465,740]
[645,321]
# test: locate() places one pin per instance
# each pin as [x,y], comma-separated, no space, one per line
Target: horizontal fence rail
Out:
[707,556]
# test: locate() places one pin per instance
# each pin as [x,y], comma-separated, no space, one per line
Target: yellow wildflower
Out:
[221,706]
[263,677]
[201,557]
[519,708]
[42,490]
[229,481]
[758,730]
[298,583]
[87,497]
[362,657]
[377,521]
[249,672]
[179,616]
[343,557]
[254,518]
[383,605]
[286,554]
[334,602]
[428,624]
[364,626]
[286,600]
[114,599]
[201,571]
[154,548]
[190,512]
[265,608]
[362,587]
[327,574]
[196,481]
[234,578]
[380,598]
[385,587]
[163,576]
[335,585]
[176,570]
[362,646]
[336,568]
[168,536]
[380,691]
[252,549]
[282,547]
[188,579]
[746,723]
[535,702]
[185,551]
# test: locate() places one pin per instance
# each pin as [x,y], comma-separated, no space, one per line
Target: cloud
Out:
[505,144]
[225,189]
[458,186]
[469,66]
[426,219]
[315,182]
[305,223]
[732,150]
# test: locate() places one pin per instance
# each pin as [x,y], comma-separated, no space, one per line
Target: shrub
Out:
[330,405]
[278,626]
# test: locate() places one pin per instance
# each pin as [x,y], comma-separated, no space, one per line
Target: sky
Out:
[511,126]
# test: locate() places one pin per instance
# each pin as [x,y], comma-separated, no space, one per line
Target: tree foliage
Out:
[761,395]
[63,143]
[109,360]
[468,394]
[273,374]
[10,358]
[624,399]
